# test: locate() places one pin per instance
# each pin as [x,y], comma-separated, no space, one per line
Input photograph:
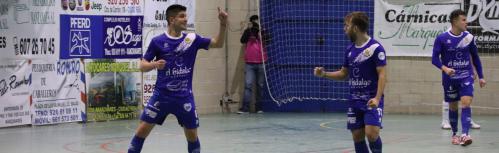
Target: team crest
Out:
[466,40]
[381,55]
[366,52]
[448,41]
[187,107]
[187,40]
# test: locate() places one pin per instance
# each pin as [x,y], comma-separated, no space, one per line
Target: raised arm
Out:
[218,41]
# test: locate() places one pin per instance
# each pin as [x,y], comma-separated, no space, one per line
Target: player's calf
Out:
[193,144]
[375,143]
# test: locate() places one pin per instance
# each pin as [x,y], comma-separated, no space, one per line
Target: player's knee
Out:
[372,136]
[192,138]
[357,138]
[144,129]
[466,104]
[191,135]
[372,133]
[358,135]
[453,106]
[465,101]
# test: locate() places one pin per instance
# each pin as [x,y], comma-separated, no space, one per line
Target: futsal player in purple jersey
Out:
[364,67]
[173,54]
[454,52]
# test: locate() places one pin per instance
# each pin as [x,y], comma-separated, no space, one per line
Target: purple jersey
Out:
[175,79]
[456,52]
[361,62]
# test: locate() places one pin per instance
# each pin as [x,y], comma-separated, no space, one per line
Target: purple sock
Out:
[453,119]
[136,144]
[376,145]
[361,147]
[466,119]
[194,147]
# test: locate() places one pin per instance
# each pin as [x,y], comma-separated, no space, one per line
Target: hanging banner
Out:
[149,81]
[90,36]
[102,7]
[58,91]
[156,13]
[114,89]
[28,29]
[15,82]
[123,37]
[411,30]
[483,23]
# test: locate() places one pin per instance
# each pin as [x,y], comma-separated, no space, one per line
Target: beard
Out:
[352,37]
[181,27]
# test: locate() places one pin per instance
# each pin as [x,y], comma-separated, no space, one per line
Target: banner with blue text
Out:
[58,91]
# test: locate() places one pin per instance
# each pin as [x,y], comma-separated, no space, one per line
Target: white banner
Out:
[29,29]
[102,7]
[58,91]
[155,13]
[411,30]
[149,81]
[15,81]
[149,78]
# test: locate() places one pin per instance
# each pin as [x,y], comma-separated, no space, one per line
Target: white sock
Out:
[445,111]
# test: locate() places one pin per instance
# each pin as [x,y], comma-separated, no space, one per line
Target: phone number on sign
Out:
[34,46]
[123,2]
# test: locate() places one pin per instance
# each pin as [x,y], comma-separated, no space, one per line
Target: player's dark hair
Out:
[454,15]
[173,10]
[358,19]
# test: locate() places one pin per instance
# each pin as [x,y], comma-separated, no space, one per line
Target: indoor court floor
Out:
[250,133]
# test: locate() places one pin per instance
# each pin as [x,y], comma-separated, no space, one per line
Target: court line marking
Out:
[325,124]
[105,145]
[473,106]
[68,148]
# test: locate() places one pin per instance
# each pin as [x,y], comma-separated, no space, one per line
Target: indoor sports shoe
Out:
[456,140]
[474,125]
[446,125]
[242,112]
[465,140]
